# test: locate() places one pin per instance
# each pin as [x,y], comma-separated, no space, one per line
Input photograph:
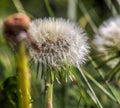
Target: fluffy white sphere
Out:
[56,41]
[107,40]
[108,34]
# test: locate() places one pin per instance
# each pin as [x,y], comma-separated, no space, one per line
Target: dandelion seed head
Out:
[107,40]
[108,34]
[56,41]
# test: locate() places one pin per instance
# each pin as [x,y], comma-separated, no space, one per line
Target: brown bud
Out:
[15,27]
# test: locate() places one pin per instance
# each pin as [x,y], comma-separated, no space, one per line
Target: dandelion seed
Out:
[57,41]
[107,40]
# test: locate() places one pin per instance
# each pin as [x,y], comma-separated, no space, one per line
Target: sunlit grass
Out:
[96,81]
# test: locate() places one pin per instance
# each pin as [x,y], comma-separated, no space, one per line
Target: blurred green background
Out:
[87,13]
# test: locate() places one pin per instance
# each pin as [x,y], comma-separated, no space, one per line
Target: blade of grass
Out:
[49,8]
[91,95]
[99,85]
[115,93]
[111,7]
[89,86]
[106,61]
[19,6]
[95,65]
[87,16]
[100,71]
[79,102]
[72,9]
[113,72]
[82,91]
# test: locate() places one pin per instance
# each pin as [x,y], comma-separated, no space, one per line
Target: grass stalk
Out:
[90,88]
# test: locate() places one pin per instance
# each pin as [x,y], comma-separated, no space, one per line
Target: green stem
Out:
[48,96]
[23,77]
[49,90]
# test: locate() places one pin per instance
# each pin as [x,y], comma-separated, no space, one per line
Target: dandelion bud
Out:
[15,27]
[57,41]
